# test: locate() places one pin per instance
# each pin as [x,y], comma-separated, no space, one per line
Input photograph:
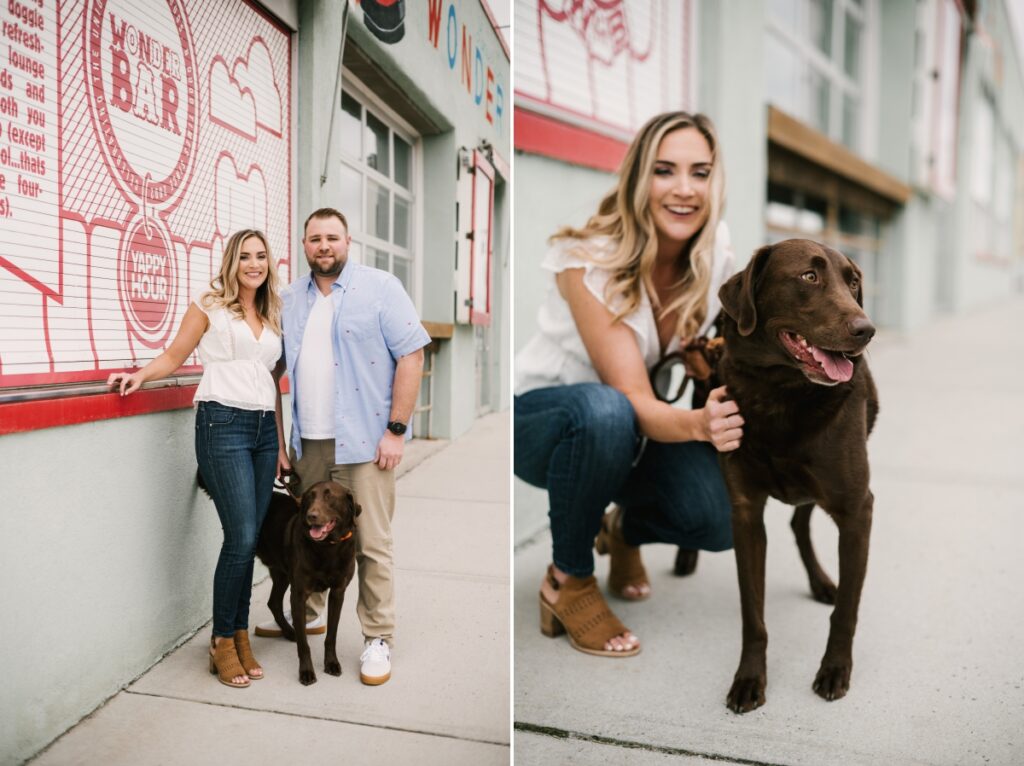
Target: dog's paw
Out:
[307,677]
[823,591]
[746,694]
[833,680]
[332,667]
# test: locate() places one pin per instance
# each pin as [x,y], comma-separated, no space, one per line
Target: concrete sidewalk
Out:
[448,700]
[939,673]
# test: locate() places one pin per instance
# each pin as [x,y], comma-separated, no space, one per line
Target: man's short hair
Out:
[325,212]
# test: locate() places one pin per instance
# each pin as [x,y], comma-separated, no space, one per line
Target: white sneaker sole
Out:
[374,680]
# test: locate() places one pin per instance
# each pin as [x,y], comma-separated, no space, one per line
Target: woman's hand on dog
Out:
[128,382]
[721,421]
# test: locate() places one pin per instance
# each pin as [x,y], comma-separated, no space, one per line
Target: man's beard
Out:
[329,271]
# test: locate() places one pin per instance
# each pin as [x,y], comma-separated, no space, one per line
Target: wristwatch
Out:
[396,427]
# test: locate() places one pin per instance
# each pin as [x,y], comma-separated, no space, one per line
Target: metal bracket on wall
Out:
[337,91]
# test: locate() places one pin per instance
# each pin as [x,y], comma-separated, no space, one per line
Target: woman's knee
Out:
[604,414]
[241,539]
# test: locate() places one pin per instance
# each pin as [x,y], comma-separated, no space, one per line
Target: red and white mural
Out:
[603,65]
[135,137]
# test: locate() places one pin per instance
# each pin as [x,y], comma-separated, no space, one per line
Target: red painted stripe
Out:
[47,413]
[16,417]
[542,135]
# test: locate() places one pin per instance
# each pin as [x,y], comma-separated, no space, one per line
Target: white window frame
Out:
[936,97]
[482,252]
[369,102]
[831,68]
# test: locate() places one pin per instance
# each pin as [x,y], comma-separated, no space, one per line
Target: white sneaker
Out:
[270,628]
[376,663]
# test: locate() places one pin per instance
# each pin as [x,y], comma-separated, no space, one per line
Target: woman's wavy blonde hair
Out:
[224,286]
[624,216]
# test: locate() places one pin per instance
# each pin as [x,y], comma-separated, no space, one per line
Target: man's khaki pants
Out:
[374,491]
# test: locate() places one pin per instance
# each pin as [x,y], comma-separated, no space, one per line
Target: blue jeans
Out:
[579,442]
[237,455]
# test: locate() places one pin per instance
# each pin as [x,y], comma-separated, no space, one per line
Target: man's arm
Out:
[405,389]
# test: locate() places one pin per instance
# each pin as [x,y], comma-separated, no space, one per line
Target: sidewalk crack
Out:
[322,718]
[597,739]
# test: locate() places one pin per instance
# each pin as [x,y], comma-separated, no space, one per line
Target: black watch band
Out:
[396,427]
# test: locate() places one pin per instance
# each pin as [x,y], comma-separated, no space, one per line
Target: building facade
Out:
[135,137]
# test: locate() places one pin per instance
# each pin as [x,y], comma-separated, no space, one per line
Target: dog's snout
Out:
[861,329]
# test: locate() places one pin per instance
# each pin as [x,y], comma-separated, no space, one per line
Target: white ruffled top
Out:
[236,365]
[556,356]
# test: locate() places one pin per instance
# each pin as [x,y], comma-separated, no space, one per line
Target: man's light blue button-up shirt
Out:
[374,325]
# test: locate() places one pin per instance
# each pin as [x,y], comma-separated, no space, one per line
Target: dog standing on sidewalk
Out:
[795,331]
[308,545]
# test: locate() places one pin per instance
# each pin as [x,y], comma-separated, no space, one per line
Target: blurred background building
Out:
[890,130]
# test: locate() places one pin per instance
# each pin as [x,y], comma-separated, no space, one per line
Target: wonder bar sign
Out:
[135,137]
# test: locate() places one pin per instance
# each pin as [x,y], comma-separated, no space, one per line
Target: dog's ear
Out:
[356,507]
[737,294]
[860,281]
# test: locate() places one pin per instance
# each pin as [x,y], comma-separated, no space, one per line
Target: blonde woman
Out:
[642,275]
[237,328]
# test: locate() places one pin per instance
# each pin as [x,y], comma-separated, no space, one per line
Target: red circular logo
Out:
[147,282]
[143,81]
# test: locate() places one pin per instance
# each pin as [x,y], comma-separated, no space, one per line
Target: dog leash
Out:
[289,482]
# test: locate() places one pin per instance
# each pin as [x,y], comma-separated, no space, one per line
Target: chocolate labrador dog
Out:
[308,544]
[795,332]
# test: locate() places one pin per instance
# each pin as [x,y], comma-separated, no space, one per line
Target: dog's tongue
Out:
[837,366]
[321,531]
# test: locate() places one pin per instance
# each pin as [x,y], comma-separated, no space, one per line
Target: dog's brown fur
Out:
[803,443]
[309,565]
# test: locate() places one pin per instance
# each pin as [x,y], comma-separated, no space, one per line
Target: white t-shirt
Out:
[237,365]
[556,356]
[314,372]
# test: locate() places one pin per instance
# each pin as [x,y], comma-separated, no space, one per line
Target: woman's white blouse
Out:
[236,366]
[556,356]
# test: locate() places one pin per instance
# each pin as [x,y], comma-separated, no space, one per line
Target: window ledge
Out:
[801,139]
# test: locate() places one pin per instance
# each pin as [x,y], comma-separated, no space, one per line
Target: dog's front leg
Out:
[833,678]
[334,601]
[307,675]
[750,542]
